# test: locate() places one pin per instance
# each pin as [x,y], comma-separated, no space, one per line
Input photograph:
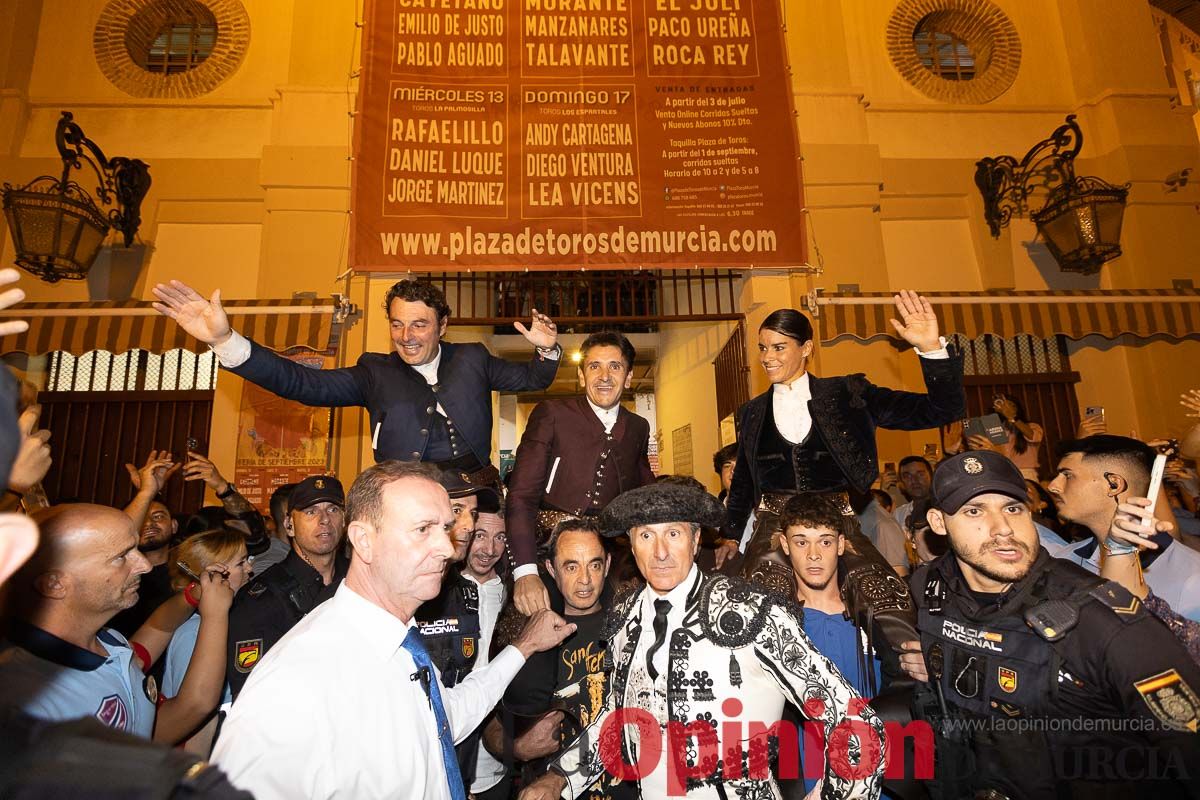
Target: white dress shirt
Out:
[677,597]
[608,416]
[488,769]
[789,402]
[332,711]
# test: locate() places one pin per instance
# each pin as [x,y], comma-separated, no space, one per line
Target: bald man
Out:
[60,662]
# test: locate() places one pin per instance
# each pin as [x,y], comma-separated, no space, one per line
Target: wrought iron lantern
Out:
[56,227]
[1081,219]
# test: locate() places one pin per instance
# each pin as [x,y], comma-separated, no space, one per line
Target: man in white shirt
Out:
[347,704]
[1094,475]
[711,656]
[487,549]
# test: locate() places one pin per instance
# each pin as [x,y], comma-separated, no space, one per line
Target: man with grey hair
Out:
[696,656]
[348,704]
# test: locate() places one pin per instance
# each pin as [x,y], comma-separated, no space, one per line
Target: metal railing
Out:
[632,300]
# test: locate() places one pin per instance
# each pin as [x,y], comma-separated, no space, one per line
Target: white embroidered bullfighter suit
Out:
[735,643]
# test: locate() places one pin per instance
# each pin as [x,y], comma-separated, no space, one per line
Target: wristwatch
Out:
[230,490]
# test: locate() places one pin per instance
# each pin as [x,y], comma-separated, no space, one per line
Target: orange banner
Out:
[495,134]
[279,441]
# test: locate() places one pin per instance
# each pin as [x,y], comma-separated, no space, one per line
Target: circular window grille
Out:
[170,48]
[958,51]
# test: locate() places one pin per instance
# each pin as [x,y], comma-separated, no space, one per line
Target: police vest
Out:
[1004,668]
[450,626]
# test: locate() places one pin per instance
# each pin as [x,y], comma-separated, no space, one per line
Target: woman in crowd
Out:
[221,550]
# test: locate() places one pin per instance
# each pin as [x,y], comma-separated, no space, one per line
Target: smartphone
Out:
[1093,411]
[193,445]
[1156,479]
[988,425]
[889,466]
[931,452]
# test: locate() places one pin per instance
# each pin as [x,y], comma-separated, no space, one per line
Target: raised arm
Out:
[539,372]
[148,480]
[200,693]
[206,320]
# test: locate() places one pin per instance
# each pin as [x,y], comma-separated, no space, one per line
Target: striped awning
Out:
[119,326]
[1169,314]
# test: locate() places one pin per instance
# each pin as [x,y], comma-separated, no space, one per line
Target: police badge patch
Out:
[247,653]
[1171,700]
[1007,678]
[468,646]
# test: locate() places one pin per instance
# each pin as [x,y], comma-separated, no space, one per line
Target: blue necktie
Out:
[415,645]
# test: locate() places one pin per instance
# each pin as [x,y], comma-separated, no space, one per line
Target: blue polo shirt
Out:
[179,656]
[1172,572]
[52,679]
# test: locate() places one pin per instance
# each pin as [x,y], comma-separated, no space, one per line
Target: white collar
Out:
[606,415]
[381,631]
[678,596]
[429,371]
[797,388]
[492,581]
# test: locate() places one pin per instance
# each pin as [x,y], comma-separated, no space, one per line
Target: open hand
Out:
[1191,401]
[155,473]
[204,319]
[542,332]
[918,324]
[9,298]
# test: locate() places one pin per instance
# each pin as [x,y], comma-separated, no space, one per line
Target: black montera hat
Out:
[661,502]
[970,474]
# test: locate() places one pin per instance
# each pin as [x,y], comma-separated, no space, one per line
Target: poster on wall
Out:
[494,134]
[279,441]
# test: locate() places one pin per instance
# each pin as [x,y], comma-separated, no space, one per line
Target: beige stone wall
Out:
[251,180]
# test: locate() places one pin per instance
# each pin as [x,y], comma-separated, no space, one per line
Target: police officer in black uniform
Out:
[449,623]
[1045,681]
[271,604]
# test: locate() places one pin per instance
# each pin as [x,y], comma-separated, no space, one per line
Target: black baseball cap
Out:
[459,484]
[959,478]
[316,489]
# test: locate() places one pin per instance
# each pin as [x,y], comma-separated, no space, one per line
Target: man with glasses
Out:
[275,601]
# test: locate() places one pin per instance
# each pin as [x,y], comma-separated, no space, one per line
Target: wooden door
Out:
[94,434]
